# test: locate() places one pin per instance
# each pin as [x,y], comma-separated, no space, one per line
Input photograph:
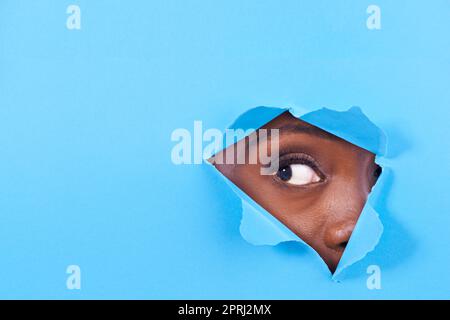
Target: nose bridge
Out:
[355,198]
[348,200]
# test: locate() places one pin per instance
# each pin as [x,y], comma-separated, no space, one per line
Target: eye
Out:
[298,174]
[377,172]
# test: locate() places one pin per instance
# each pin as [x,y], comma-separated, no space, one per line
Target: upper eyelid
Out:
[311,162]
[303,155]
[306,157]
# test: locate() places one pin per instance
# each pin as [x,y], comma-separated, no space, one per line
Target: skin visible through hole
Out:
[319,189]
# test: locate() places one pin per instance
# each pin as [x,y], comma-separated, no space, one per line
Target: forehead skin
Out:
[321,214]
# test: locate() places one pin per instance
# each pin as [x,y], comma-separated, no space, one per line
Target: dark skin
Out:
[320,188]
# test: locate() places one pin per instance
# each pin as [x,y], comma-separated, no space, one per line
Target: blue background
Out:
[86,116]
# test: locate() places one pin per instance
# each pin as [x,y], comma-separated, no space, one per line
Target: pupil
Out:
[285,173]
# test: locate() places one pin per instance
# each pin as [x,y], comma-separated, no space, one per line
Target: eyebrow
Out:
[295,128]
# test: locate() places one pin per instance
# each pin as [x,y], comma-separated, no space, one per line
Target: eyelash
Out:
[300,158]
[287,159]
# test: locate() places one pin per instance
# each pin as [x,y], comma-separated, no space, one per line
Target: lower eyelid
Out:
[288,186]
[280,183]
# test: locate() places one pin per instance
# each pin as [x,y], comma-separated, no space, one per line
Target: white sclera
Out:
[302,174]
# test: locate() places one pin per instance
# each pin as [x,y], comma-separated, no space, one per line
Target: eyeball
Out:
[298,174]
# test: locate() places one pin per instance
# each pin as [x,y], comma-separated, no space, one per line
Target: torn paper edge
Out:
[259,227]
